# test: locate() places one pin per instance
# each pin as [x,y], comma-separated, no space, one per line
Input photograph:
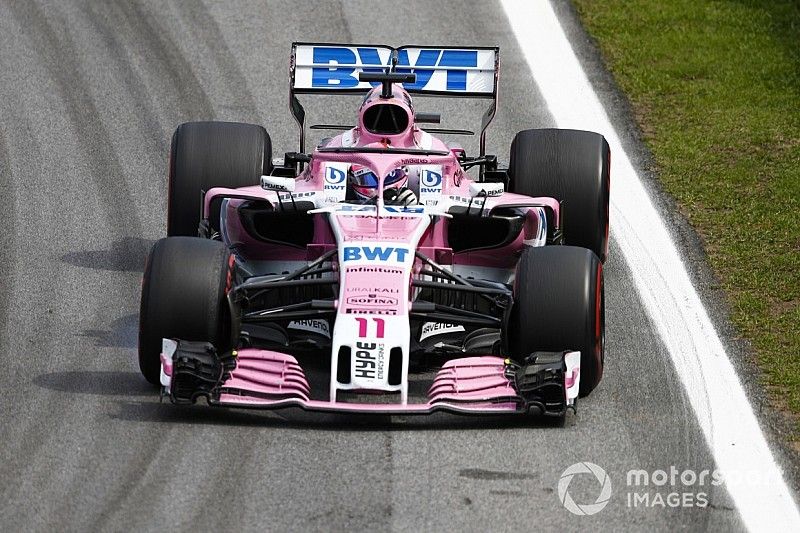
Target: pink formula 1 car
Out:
[376,274]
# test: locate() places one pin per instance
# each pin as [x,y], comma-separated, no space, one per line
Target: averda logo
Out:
[344,77]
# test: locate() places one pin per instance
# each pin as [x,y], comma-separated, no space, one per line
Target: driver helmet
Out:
[364,181]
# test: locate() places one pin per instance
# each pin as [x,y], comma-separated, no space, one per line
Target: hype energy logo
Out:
[458,70]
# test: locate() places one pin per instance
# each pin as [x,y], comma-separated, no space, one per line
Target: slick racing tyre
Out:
[212,154]
[184,290]
[573,167]
[559,305]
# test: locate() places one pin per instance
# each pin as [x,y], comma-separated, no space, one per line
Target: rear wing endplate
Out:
[325,68]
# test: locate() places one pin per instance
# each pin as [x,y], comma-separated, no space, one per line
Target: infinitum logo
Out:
[585,508]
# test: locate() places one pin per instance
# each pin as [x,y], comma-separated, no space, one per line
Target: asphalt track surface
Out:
[89,97]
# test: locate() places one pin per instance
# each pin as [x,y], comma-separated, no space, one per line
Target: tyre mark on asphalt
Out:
[24,437]
[492,475]
[8,208]
[58,57]
[166,61]
[208,30]
[102,17]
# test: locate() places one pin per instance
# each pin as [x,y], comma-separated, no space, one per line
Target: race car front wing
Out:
[546,383]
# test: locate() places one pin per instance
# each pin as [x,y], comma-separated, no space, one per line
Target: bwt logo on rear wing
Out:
[439,70]
[318,68]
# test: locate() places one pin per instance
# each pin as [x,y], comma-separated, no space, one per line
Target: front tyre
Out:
[574,167]
[559,304]
[184,290]
[204,155]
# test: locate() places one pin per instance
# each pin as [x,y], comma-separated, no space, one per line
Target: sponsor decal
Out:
[288,197]
[374,253]
[345,77]
[335,179]
[430,184]
[379,290]
[335,182]
[431,179]
[432,329]
[398,209]
[273,183]
[486,189]
[314,326]
[350,208]
[374,270]
[388,208]
[466,200]
[372,299]
[414,161]
[365,311]
[368,360]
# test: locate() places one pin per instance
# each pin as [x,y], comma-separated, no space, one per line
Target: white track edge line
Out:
[717,397]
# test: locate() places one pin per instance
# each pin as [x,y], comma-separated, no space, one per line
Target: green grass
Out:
[715,86]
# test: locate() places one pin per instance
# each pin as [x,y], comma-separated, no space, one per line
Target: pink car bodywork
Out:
[376,253]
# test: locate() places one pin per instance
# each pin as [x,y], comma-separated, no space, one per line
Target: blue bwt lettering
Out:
[344,77]
[374,253]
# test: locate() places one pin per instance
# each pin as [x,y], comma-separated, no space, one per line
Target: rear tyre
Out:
[212,154]
[184,290]
[559,304]
[573,167]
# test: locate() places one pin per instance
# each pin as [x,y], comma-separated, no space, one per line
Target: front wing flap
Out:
[546,383]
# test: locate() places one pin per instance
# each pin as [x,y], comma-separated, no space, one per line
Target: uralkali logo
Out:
[587,508]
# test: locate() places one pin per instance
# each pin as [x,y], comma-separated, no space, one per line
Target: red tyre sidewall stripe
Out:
[598,314]
[229,275]
[607,200]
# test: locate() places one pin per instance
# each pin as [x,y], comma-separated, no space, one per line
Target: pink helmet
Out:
[364,181]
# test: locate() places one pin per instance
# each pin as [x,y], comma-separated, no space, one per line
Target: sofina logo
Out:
[582,469]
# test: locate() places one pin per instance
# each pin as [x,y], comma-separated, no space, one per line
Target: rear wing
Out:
[325,68]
